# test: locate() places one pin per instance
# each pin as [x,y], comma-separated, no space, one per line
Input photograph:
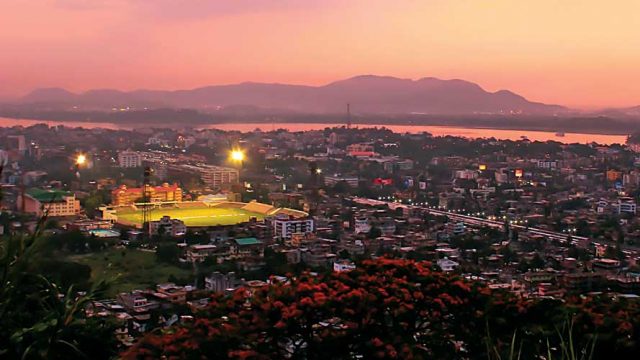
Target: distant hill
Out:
[367,94]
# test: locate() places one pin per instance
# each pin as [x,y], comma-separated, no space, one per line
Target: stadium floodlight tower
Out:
[79,162]
[146,200]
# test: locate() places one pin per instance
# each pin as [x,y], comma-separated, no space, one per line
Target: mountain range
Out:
[367,94]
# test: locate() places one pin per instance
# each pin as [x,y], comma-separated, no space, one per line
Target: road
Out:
[478,221]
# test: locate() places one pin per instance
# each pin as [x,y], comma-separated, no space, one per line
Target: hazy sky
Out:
[582,53]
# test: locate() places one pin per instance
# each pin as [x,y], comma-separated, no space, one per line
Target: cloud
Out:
[202,9]
[82,5]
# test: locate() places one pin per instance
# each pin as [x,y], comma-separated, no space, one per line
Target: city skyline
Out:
[574,53]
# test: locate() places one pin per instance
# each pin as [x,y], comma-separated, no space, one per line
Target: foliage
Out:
[394,309]
[168,253]
[40,319]
[130,268]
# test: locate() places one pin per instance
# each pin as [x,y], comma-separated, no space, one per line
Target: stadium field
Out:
[206,216]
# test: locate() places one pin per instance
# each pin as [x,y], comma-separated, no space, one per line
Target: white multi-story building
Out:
[361,225]
[466,174]
[625,205]
[129,159]
[285,226]
[51,202]
[211,175]
[547,164]
[215,176]
[350,180]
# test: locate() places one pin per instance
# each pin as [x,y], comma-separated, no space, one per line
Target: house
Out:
[171,292]
[247,247]
[167,226]
[200,252]
[447,265]
[343,265]
[137,304]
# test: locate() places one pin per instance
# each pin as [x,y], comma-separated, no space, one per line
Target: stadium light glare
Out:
[237,155]
[81,159]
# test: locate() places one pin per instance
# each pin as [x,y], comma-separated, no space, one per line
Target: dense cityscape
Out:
[319,180]
[149,229]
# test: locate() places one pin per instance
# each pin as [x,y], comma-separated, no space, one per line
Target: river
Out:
[501,134]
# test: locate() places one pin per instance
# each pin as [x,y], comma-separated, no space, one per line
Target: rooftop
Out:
[48,195]
[248,241]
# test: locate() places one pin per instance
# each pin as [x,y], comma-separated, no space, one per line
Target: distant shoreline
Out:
[190,118]
[435,130]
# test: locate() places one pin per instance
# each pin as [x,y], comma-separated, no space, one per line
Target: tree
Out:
[344,254]
[388,309]
[374,232]
[41,319]
[373,311]
[167,253]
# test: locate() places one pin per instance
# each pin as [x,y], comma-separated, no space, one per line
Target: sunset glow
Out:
[575,53]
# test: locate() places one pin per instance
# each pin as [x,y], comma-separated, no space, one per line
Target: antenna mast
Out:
[146,208]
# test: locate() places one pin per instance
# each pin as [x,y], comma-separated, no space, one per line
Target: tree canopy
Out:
[390,309]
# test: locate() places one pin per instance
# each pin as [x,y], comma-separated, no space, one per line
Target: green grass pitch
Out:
[193,216]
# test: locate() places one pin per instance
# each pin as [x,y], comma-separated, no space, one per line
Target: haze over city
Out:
[580,54]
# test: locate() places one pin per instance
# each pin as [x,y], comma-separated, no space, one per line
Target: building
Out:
[247,247]
[171,292]
[350,180]
[455,228]
[53,203]
[613,175]
[285,226]
[361,225]
[447,265]
[129,159]
[547,164]
[215,176]
[631,179]
[220,283]
[87,225]
[625,205]
[393,165]
[136,302]
[343,265]
[466,174]
[16,143]
[124,196]
[172,227]
[361,150]
[200,252]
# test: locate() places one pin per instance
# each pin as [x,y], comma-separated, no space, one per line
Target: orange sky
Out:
[581,53]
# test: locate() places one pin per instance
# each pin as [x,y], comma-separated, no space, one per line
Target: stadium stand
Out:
[259,208]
